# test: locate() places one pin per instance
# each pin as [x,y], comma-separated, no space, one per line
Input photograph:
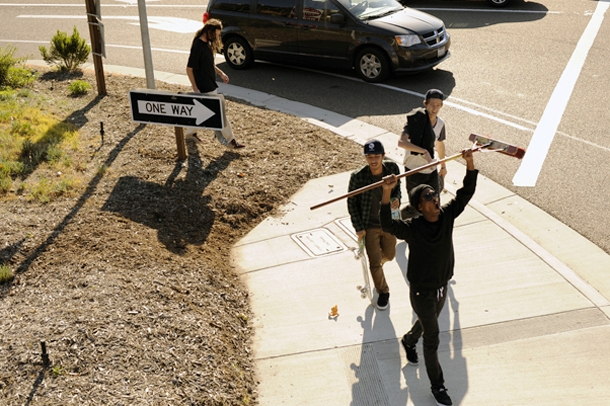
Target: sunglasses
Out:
[430,195]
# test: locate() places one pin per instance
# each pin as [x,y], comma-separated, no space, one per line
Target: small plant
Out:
[78,87]
[57,371]
[5,184]
[41,191]
[68,53]
[12,76]
[54,154]
[101,171]
[65,187]
[6,273]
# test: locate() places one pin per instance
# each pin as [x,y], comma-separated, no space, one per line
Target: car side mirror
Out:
[337,18]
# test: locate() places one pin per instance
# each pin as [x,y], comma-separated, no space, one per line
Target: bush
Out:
[12,76]
[6,274]
[78,87]
[6,183]
[68,53]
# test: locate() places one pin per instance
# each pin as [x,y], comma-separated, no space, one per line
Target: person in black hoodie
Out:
[430,264]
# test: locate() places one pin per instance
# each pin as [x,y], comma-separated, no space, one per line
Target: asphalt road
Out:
[514,74]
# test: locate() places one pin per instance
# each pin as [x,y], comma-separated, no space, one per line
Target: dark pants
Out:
[428,305]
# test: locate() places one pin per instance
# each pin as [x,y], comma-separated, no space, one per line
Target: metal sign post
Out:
[148,65]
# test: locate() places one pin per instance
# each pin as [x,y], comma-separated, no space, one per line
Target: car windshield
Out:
[366,10]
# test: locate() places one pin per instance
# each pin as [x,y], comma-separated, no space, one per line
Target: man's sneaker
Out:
[410,350]
[441,396]
[235,145]
[382,302]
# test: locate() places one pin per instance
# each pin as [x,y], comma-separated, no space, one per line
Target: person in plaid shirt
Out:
[364,211]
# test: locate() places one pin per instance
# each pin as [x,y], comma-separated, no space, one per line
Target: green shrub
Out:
[12,76]
[11,168]
[6,274]
[5,184]
[8,95]
[78,87]
[68,53]
[19,77]
[54,154]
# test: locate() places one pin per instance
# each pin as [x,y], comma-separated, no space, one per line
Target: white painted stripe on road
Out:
[175,51]
[459,107]
[528,172]
[103,5]
[490,10]
[171,24]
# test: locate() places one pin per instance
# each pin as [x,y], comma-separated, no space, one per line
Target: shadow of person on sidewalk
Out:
[450,351]
[377,379]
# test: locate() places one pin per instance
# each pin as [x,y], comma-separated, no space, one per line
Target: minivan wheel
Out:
[238,53]
[498,3]
[372,65]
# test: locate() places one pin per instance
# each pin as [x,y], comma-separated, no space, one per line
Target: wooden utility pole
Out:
[180,143]
[96,45]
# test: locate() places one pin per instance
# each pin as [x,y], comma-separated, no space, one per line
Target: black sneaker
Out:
[442,399]
[382,302]
[410,350]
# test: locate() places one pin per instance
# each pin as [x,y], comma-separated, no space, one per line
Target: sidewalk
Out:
[527,321]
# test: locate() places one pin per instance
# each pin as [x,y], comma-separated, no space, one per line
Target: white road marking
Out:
[489,10]
[176,51]
[104,5]
[171,24]
[528,172]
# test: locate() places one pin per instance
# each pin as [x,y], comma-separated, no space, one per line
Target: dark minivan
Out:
[376,38]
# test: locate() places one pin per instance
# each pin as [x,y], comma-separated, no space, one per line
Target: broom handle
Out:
[402,175]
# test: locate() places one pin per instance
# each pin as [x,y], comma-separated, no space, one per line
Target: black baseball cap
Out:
[434,94]
[373,147]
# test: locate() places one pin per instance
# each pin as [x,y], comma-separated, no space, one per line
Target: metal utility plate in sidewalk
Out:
[318,242]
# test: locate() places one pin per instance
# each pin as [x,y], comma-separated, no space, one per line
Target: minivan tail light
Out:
[206,17]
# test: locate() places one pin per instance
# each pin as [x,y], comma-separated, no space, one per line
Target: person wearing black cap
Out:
[422,136]
[430,264]
[364,211]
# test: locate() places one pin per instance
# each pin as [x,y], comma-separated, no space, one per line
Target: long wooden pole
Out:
[402,175]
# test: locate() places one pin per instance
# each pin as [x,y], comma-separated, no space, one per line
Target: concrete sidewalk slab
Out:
[507,310]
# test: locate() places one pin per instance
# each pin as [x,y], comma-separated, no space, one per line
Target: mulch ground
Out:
[127,280]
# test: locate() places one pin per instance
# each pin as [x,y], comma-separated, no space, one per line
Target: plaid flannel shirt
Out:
[359,206]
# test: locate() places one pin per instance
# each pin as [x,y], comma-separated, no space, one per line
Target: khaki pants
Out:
[380,248]
[225,136]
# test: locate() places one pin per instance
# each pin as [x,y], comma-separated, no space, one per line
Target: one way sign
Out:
[178,110]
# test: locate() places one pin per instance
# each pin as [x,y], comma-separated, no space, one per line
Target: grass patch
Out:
[6,273]
[33,140]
